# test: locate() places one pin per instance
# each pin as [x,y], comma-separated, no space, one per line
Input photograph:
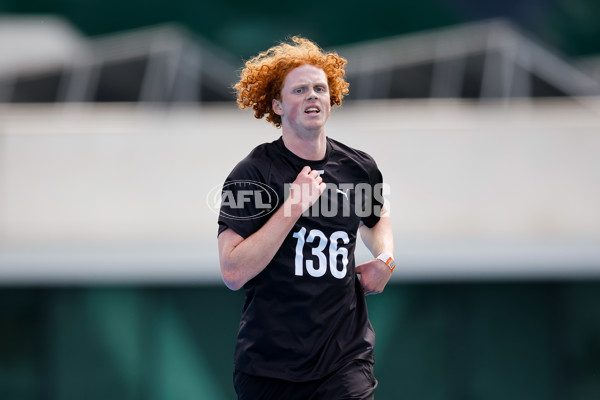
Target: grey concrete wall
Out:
[477,190]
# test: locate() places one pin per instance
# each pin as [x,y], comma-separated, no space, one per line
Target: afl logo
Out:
[242,200]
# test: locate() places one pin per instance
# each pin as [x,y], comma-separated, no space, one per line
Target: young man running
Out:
[290,237]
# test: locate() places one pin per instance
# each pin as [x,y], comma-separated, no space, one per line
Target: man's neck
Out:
[309,147]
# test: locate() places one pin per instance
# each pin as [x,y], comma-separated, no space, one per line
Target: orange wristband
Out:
[388,260]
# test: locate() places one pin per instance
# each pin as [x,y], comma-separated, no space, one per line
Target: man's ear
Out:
[276,104]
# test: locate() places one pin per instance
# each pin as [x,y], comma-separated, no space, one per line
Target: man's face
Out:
[304,104]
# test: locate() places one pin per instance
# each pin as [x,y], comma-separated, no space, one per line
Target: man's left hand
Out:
[374,275]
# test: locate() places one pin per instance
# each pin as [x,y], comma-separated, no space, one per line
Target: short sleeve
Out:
[246,200]
[375,202]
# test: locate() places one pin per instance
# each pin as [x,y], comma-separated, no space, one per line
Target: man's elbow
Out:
[231,278]
[233,284]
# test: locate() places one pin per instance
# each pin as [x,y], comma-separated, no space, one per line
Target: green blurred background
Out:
[528,340]
[244,27]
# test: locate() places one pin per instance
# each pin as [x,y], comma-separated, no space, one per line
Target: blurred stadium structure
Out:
[591,66]
[52,62]
[510,182]
[109,147]
[49,61]
[490,59]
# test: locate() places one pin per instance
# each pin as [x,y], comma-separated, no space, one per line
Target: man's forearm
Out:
[375,274]
[380,238]
[243,259]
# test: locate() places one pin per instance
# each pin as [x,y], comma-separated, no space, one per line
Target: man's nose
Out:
[312,94]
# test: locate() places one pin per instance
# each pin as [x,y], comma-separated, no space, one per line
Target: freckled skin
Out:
[304,86]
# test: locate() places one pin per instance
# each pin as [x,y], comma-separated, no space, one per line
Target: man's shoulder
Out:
[262,152]
[258,161]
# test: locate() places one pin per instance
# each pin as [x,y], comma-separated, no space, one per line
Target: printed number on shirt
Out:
[323,245]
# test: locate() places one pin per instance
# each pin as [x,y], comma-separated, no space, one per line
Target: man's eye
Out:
[319,89]
[299,90]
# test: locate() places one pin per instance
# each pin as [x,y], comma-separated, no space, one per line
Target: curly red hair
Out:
[262,79]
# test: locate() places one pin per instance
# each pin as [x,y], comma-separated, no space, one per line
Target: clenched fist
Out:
[305,190]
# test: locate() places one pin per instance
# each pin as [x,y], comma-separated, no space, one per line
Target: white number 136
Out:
[319,252]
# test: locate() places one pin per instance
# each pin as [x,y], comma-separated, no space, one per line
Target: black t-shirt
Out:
[305,314]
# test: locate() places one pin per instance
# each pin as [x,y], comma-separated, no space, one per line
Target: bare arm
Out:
[379,239]
[242,259]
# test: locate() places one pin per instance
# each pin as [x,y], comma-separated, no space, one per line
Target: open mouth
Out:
[312,110]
